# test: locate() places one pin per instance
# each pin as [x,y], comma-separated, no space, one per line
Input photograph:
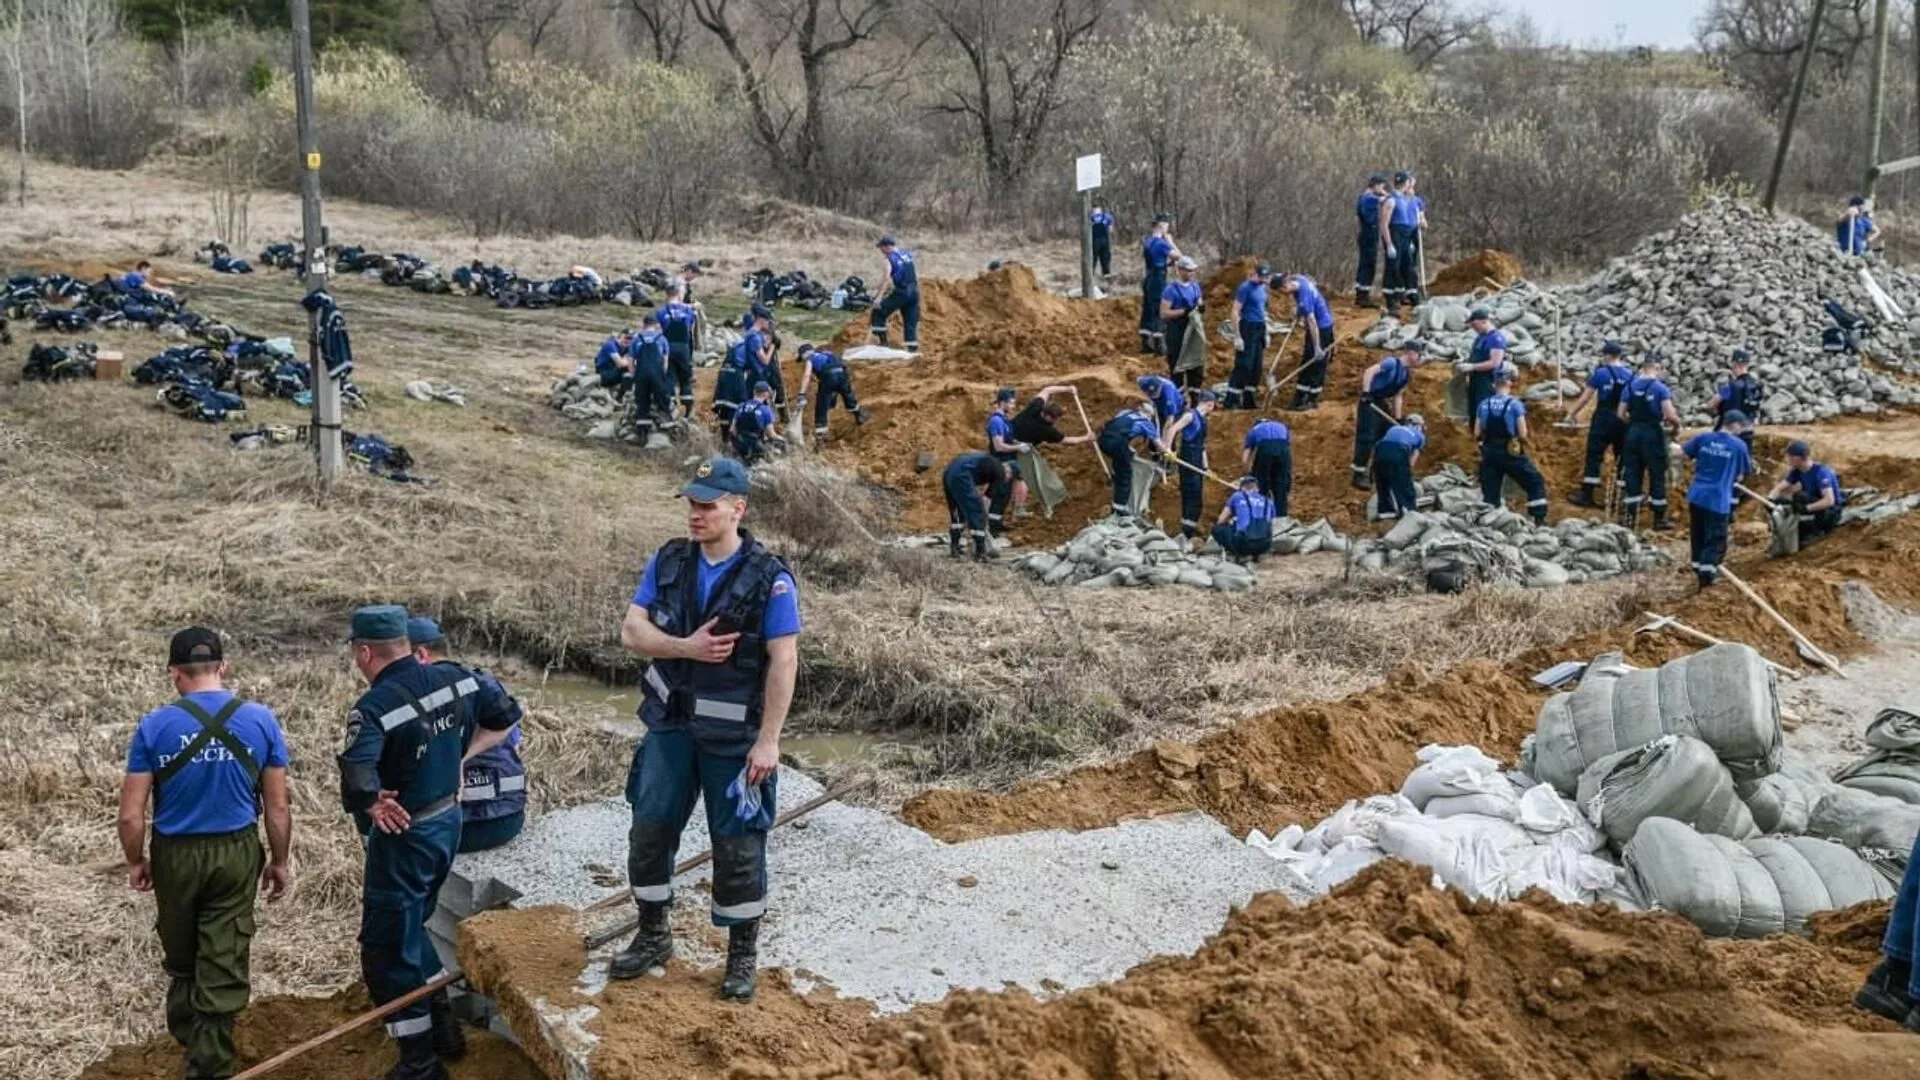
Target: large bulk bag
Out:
[1723,696]
[1862,819]
[1761,886]
[1674,868]
[1761,910]
[1672,777]
[1778,803]
[1802,891]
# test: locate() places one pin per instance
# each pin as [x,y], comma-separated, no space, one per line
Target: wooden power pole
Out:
[329,455]
[1877,99]
[1793,101]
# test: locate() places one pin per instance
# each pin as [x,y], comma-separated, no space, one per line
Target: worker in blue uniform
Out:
[1383,402]
[1394,458]
[1188,437]
[974,484]
[1245,527]
[652,379]
[826,375]
[717,617]
[1267,455]
[1310,308]
[1855,230]
[493,786]
[1486,359]
[1406,214]
[901,293]
[755,424]
[614,363]
[1180,304]
[1116,441]
[400,778]
[1371,239]
[1814,490]
[1157,254]
[1249,319]
[1720,460]
[1501,429]
[1101,223]
[1605,387]
[1647,410]
[678,319]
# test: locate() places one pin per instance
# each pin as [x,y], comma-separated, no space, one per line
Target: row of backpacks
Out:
[505,287]
[799,290]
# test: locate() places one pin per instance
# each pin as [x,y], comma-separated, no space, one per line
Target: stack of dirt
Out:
[1486,269]
[1388,977]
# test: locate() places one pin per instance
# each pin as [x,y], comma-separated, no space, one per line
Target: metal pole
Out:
[1877,101]
[1086,241]
[328,454]
[1793,102]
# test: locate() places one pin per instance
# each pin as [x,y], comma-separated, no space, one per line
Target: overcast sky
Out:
[1666,23]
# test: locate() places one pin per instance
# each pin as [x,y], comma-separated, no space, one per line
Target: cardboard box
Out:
[109,366]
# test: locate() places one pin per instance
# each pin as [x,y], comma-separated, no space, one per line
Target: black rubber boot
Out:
[1540,518]
[1885,993]
[743,961]
[1364,298]
[879,337]
[652,947]
[860,416]
[953,543]
[449,1038]
[1361,482]
[417,1060]
[1661,523]
[983,550]
[1584,497]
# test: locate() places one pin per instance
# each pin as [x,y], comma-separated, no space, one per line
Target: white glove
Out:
[1390,252]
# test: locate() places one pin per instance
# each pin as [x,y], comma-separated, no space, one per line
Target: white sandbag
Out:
[1554,819]
[1503,806]
[1343,861]
[1359,818]
[1456,771]
[1778,803]
[1761,912]
[1504,835]
[1568,876]
[1802,892]
[1471,864]
[1861,819]
[1673,777]
[1676,869]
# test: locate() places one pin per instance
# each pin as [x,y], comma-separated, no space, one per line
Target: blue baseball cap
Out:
[424,631]
[760,312]
[1613,348]
[1741,356]
[1005,393]
[716,478]
[1478,314]
[1413,345]
[763,387]
[1799,448]
[1735,416]
[885,241]
[1263,270]
[378,622]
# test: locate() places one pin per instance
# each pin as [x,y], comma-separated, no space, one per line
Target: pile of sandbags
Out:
[1892,768]
[1747,888]
[1500,546]
[1113,555]
[1672,777]
[1522,311]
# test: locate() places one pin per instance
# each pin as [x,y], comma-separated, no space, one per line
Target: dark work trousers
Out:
[1103,256]
[1245,544]
[1707,541]
[1644,464]
[670,772]
[1497,464]
[997,505]
[1815,526]
[907,303]
[836,383]
[1393,479]
[1152,337]
[1607,432]
[1243,385]
[1193,453]
[1313,377]
[204,887]
[966,510]
[1902,942]
[1403,269]
[403,876]
[680,365]
[1479,389]
[652,399]
[1273,468]
[1368,243]
[1368,426]
[1120,458]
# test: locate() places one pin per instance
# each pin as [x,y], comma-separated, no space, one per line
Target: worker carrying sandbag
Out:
[1817,497]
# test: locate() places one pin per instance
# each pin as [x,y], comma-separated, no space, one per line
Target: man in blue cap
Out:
[1742,393]
[400,779]
[1179,302]
[1188,437]
[1006,448]
[493,791]
[1267,455]
[1372,237]
[977,485]
[1394,458]
[1647,410]
[1603,390]
[1157,252]
[1383,401]
[901,293]
[1485,360]
[1249,318]
[1720,460]
[1310,308]
[1101,223]
[731,385]
[717,616]
[761,351]
[1501,429]
[1855,230]
[1406,214]
[678,319]
[1816,492]
[1245,528]
[754,424]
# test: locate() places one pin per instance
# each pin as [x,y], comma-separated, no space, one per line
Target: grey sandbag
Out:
[1849,880]
[1672,777]
[1802,890]
[1042,480]
[1778,803]
[1881,777]
[1723,696]
[1761,912]
[1673,868]
[1861,819]
[1892,767]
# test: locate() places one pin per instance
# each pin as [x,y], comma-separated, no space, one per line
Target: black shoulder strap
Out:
[211,728]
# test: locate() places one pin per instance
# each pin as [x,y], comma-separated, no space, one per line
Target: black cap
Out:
[194,645]
[1402,176]
[1376,178]
[1414,345]
[885,241]
[1263,270]
[1478,314]
[1799,448]
[1857,200]
[760,312]
[805,350]
[1742,356]
[1005,393]
[1162,219]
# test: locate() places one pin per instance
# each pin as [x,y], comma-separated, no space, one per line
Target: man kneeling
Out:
[1245,528]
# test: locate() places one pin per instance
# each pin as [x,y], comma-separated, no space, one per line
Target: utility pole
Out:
[328,454]
[1793,101]
[1877,101]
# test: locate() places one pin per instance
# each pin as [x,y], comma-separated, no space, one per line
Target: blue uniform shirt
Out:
[1158,250]
[607,360]
[1166,397]
[1367,209]
[1644,395]
[1483,346]
[1407,210]
[1720,459]
[1266,431]
[650,351]
[1183,295]
[212,794]
[1392,378]
[755,341]
[1102,225]
[1854,242]
[1195,431]
[676,321]
[783,602]
[1499,417]
[394,746]
[1402,435]
[1308,303]
[901,270]
[820,360]
[1813,480]
[1249,508]
[761,411]
[1138,426]
[1252,298]
[1608,380]
[998,426]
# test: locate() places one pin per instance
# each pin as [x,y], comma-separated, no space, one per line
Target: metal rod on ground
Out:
[329,456]
[1814,24]
[1104,467]
[1814,652]
[1668,622]
[1877,99]
[596,940]
[352,1025]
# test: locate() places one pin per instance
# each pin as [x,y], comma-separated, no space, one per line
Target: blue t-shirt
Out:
[1813,480]
[1607,381]
[1483,347]
[1644,398]
[783,601]
[1367,208]
[1407,210]
[1719,461]
[1249,508]
[1856,237]
[607,360]
[900,268]
[1252,298]
[1402,435]
[676,320]
[820,360]
[998,426]
[1266,431]
[212,794]
[1308,303]
[1504,408]
[1158,250]
[1166,398]
[1390,379]
[1102,224]
[133,281]
[755,341]
[756,416]
[1183,295]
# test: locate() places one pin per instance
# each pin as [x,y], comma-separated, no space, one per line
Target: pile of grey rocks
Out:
[1114,555]
[1727,276]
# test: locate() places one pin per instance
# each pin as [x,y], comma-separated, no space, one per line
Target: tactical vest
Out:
[1496,421]
[425,736]
[719,703]
[1259,516]
[1608,396]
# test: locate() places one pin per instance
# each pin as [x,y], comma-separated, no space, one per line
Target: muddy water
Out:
[615,707]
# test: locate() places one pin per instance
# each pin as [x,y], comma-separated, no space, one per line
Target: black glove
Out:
[1799,501]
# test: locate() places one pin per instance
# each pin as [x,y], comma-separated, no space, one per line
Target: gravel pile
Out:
[1502,546]
[1727,276]
[1107,556]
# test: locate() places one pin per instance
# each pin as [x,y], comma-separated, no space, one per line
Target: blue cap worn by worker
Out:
[1612,348]
[378,622]
[1798,448]
[1735,417]
[424,631]
[885,242]
[715,478]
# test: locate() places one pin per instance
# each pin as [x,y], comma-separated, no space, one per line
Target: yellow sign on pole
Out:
[313,161]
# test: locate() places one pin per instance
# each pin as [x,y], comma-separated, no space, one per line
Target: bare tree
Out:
[663,24]
[466,33]
[760,36]
[13,18]
[1758,42]
[535,18]
[1424,30]
[1015,52]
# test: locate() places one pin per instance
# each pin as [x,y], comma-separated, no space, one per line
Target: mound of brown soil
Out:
[1484,269]
[271,1025]
[1389,977]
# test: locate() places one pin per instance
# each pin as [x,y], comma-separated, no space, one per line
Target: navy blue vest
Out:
[719,703]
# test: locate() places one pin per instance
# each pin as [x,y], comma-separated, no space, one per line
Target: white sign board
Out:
[1086,173]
